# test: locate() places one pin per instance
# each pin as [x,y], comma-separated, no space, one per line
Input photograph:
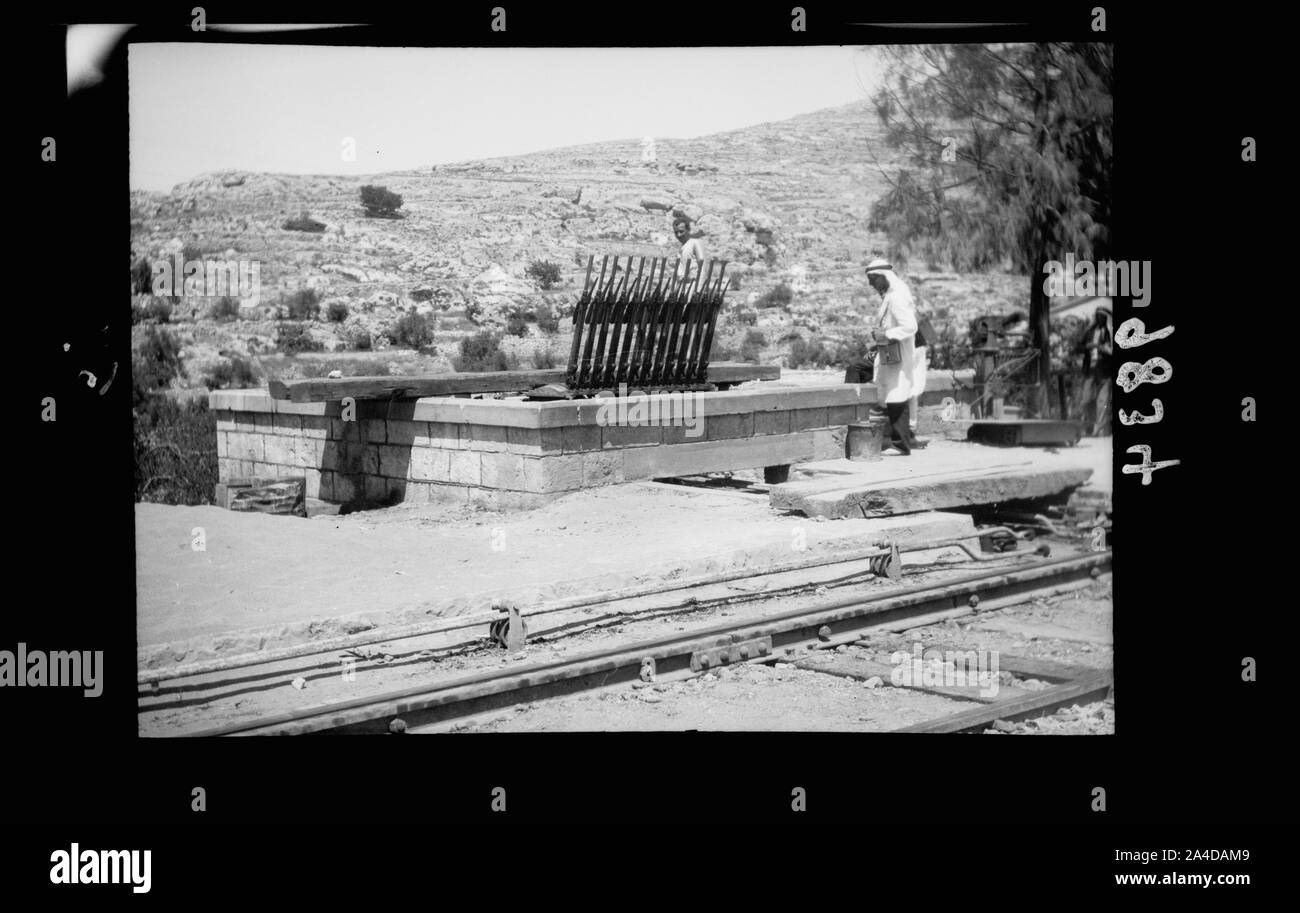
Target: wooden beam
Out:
[417,386]
[1087,689]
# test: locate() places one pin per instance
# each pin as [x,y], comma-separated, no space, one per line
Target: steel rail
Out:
[846,619]
[461,622]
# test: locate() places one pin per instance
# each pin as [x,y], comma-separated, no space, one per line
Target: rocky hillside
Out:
[786,203]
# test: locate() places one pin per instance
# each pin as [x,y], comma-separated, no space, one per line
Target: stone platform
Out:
[946,475]
[514,452]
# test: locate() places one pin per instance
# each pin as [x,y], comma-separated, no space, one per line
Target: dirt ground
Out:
[266,581]
[263,581]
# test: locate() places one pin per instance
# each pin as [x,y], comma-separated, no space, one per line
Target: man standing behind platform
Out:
[692,248]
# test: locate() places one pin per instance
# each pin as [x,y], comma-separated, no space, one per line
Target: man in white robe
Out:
[895,323]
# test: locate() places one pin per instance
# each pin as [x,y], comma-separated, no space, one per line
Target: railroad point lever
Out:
[510,632]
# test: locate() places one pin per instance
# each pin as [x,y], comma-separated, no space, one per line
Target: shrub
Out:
[156,363]
[421,294]
[142,278]
[752,346]
[412,330]
[548,321]
[380,202]
[543,360]
[337,312]
[304,305]
[294,338]
[234,374]
[811,355]
[226,308]
[303,222]
[516,325]
[546,273]
[159,310]
[481,352]
[175,451]
[777,297]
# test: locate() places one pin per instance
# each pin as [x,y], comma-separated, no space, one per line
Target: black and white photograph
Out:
[648,389]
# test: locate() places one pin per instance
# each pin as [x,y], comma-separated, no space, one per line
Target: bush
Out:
[304,305]
[155,364]
[337,312]
[421,294]
[546,273]
[516,325]
[234,374]
[304,222]
[293,338]
[482,352]
[158,310]
[752,346]
[175,451]
[142,278]
[548,322]
[780,296]
[380,202]
[804,354]
[543,360]
[226,308]
[414,331]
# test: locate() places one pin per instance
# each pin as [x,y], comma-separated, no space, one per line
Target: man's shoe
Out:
[893,451]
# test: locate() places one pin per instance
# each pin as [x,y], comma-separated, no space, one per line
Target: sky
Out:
[197,108]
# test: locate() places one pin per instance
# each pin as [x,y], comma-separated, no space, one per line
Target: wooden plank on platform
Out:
[737,453]
[417,386]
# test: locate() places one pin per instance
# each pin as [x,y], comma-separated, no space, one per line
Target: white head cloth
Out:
[897,287]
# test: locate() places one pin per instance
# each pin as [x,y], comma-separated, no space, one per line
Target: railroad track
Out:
[793,635]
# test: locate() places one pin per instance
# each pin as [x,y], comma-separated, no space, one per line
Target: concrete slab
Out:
[263,582]
[946,475]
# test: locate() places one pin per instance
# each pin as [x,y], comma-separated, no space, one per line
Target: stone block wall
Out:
[512,452]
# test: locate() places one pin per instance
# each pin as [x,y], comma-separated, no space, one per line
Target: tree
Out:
[380,202]
[544,272]
[1008,156]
